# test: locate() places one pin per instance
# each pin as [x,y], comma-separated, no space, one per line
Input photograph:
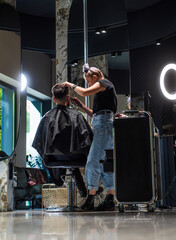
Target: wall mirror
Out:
[10,75]
[108,44]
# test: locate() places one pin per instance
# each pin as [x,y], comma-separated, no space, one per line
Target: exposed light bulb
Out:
[23,82]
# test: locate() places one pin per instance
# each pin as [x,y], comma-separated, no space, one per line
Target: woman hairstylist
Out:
[104,107]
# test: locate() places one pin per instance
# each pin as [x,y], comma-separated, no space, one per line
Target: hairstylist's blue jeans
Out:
[102,139]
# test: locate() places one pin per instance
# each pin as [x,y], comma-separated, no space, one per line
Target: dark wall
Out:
[120,79]
[37,67]
[38,33]
[146,66]
[10,42]
[9,18]
[152,23]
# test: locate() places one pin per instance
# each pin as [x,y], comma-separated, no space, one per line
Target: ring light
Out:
[162,76]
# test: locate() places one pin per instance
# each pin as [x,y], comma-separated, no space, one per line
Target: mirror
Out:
[108,44]
[10,73]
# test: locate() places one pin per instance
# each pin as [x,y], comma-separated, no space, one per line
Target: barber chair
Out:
[70,162]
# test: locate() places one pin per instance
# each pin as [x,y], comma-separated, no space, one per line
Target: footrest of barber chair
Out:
[56,199]
[53,196]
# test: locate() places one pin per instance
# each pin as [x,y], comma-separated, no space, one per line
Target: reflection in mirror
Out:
[10,75]
[116,67]
[119,74]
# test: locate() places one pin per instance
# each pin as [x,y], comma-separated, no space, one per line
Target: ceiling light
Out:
[158,43]
[97,31]
[74,64]
[113,54]
[103,30]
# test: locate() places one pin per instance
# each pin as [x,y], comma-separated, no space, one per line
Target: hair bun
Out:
[86,67]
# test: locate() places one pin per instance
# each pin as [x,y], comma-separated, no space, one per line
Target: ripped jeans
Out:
[102,139]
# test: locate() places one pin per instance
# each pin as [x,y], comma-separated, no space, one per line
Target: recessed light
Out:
[103,31]
[97,31]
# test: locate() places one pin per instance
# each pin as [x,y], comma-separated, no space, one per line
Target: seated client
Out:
[63,130]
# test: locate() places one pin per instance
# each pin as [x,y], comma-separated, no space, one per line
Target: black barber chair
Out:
[70,162]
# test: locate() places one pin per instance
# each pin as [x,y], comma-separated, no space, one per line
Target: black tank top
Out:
[107,99]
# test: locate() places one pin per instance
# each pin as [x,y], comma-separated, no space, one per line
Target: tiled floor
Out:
[34,225]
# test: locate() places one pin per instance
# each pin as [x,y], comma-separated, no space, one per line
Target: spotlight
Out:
[103,30]
[97,31]
[74,64]
[158,43]
[113,54]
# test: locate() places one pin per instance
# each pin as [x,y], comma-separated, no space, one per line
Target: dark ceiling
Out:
[135,5]
[46,8]
[41,8]
[37,19]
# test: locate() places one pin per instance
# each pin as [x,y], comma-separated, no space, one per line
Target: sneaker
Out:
[89,203]
[108,204]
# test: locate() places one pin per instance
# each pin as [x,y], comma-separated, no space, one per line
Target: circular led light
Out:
[168,67]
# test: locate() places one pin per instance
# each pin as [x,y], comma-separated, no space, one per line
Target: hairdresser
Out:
[104,108]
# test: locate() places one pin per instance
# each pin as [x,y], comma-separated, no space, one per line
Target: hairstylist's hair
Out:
[90,71]
[59,91]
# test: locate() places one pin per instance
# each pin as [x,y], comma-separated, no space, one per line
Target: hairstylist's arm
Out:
[97,87]
[80,104]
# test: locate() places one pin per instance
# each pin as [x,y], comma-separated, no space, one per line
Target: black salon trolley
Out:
[135,160]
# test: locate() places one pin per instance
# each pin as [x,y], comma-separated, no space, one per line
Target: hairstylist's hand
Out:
[76,101]
[67,84]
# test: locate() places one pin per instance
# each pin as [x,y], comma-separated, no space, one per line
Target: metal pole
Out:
[85,43]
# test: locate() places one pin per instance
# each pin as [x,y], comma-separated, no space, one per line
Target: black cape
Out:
[62,130]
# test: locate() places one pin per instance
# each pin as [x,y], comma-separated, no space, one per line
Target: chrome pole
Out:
[85,43]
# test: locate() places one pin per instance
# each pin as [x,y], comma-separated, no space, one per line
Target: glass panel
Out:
[7,119]
[0,116]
